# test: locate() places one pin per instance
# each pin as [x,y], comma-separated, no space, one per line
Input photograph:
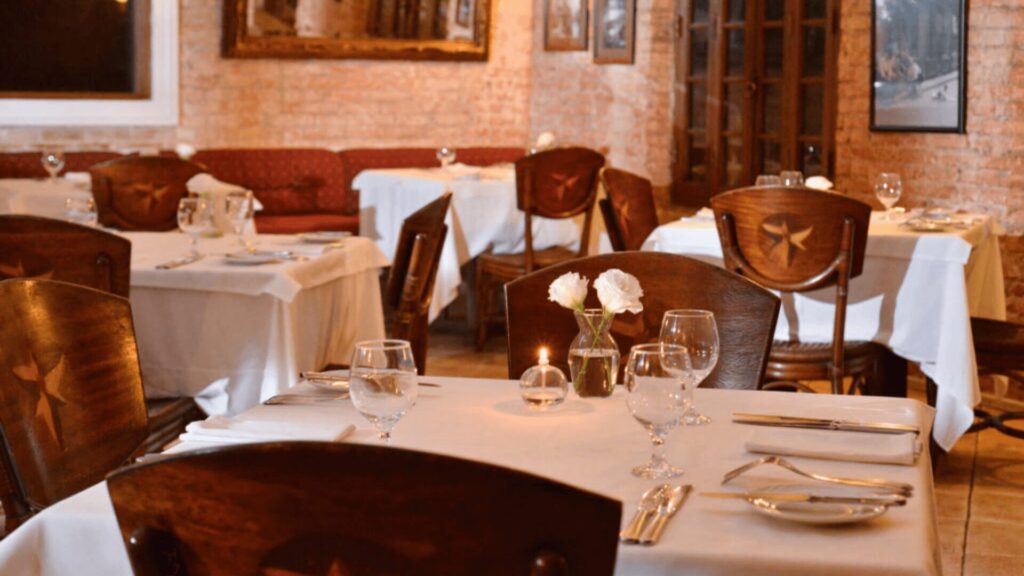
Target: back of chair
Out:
[744,312]
[141,192]
[630,211]
[48,249]
[71,398]
[559,183]
[342,508]
[413,271]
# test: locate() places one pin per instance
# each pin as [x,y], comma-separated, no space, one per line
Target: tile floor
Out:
[979,486]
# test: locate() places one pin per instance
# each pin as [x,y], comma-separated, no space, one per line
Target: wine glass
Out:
[888,188]
[53,162]
[697,333]
[239,209]
[768,180]
[382,382]
[194,218]
[792,178]
[80,211]
[445,156]
[656,400]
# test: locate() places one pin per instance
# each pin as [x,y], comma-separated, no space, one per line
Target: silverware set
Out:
[663,502]
[178,262]
[324,377]
[901,488]
[823,423]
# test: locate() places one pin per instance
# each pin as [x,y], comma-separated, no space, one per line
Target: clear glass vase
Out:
[594,355]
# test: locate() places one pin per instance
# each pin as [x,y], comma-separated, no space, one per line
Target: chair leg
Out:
[483,310]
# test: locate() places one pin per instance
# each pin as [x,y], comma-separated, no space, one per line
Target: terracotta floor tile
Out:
[997,538]
[989,565]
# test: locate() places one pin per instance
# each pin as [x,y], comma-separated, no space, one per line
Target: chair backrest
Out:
[48,249]
[141,192]
[413,271]
[559,183]
[744,312]
[342,508]
[71,398]
[629,211]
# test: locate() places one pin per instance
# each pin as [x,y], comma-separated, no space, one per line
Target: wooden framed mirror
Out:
[366,29]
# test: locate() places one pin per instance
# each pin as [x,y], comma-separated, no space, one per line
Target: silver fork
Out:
[897,487]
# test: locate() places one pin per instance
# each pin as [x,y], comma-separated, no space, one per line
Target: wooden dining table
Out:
[592,444]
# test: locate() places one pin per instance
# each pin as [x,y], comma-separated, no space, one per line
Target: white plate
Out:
[928,226]
[323,237]
[251,258]
[331,385]
[817,512]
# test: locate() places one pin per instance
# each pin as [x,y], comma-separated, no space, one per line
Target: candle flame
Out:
[543,354]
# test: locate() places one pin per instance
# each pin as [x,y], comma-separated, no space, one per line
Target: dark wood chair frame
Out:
[999,350]
[108,177]
[626,187]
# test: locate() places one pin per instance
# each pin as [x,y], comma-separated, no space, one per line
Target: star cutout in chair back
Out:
[563,183]
[47,389]
[783,242]
[149,195]
[17,270]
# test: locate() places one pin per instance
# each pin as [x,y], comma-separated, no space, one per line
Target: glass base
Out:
[657,471]
[695,419]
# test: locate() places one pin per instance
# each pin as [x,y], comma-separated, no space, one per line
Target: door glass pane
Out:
[700,10]
[812,103]
[698,51]
[737,10]
[814,50]
[774,9]
[773,52]
[734,107]
[771,157]
[772,112]
[814,8]
[736,41]
[733,162]
[811,159]
[698,106]
[697,151]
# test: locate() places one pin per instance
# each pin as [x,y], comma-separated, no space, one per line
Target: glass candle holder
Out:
[543,386]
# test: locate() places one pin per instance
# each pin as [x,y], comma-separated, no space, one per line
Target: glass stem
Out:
[385,436]
[687,395]
[657,451]
[194,241]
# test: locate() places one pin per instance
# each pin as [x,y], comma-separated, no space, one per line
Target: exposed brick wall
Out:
[982,170]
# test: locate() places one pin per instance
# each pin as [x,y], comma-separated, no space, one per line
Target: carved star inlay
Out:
[150,195]
[785,243]
[563,183]
[48,388]
[18,271]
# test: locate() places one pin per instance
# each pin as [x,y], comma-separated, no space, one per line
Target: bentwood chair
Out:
[410,285]
[141,192]
[999,350]
[560,183]
[796,239]
[71,400]
[629,211]
[745,313]
[330,508]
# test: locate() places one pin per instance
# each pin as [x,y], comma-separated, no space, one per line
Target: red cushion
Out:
[296,223]
[286,181]
[27,164]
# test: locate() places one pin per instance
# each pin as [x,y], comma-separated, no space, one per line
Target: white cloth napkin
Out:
[818,183]
[459,171]
[865,447]
[703,215]
[223,430]
[206,184]
[78,177]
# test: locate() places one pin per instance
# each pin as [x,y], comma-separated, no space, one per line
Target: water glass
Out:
[888,188]
[238,209]
[80,211]
[792,178]
[382,383]
[194,218]
[53,162]
[656,400]
[696,332]
[768,180]
[445,156]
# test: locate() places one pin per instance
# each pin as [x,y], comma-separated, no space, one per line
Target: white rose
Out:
[545,140]
[619,292]
[569,290]
[185,151]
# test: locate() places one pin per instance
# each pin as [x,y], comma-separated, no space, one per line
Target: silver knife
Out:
[823,423]
[649,503]
[884,500]
[177,262]
[324,377]
[674,500]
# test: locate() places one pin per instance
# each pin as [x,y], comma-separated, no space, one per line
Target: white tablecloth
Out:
[234,335]
[483,215]
[39,197]
[916,296]
[591,444]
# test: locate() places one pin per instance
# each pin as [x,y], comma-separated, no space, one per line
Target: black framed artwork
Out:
[918,65]
[614,27]
[565,25]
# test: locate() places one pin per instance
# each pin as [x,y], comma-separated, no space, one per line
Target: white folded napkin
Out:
[223,430]
[703,215]
[459,171]
[78,177]
[818,183]
[836,445]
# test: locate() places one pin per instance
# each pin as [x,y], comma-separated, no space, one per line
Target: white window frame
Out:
[160,109]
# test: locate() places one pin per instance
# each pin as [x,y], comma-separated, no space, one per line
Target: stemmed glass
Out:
[382,382]
[792,178]
[239,210]
[696,332]
[445,156]
[656,400]
[888,188]
[768,180]
[53,162]
[194,218]
[80,211]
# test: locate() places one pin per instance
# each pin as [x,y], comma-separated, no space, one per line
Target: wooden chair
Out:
[71,400]
[999,350]
[560,183]
[796,239]
[141,192]
[330,508]
[629,212]
[411,279]
[744,312]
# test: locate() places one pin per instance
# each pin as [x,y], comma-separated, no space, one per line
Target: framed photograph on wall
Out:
[918,65]
[614,27]
[565,25]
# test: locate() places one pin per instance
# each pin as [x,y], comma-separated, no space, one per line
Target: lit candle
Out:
[543,356]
